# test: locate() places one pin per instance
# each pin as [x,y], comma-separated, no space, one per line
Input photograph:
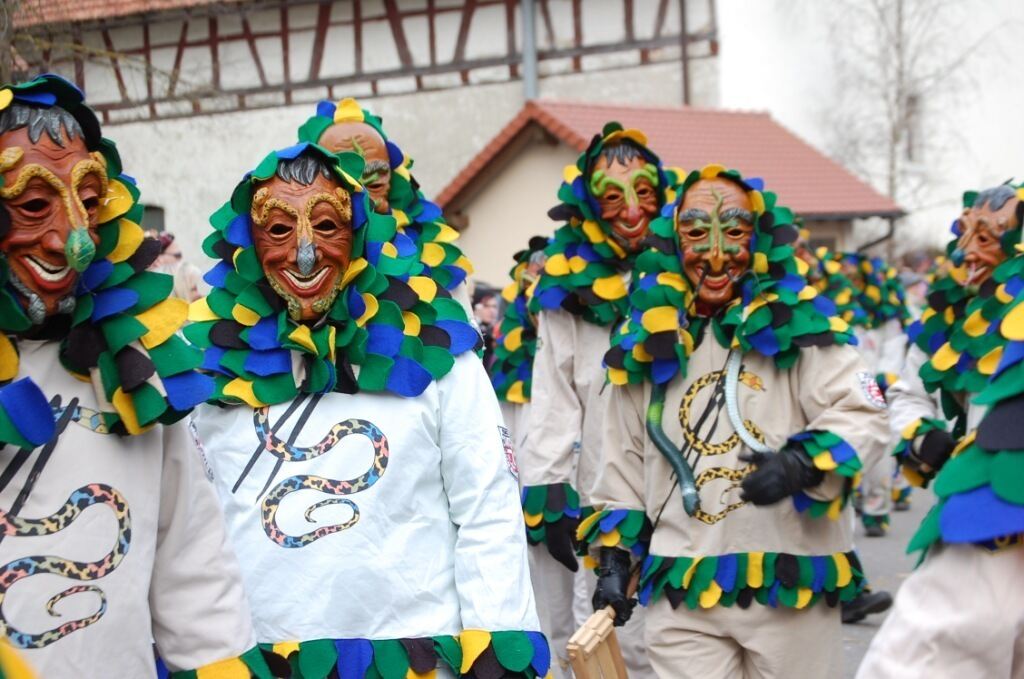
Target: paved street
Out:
[887,565]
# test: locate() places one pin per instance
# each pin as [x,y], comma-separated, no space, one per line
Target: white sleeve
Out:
[200,613]
[893,349]
[491,571]
[908,399]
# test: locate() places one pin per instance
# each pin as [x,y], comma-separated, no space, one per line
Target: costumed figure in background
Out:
[516,344]
[608,198]
[960,612]
[773,416]
[883,344]
[102,491]
[355,440]
[826,274]
[387,178]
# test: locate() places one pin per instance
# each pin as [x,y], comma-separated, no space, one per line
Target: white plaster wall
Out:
[776,56]
[506,213]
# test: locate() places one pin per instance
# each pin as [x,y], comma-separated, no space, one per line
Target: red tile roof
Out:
[804,178]
[40,12]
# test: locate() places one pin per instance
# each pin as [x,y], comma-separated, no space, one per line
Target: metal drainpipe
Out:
[529,51]
[878,241]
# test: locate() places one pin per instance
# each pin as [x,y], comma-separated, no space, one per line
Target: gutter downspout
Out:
[878,241]
[529,50]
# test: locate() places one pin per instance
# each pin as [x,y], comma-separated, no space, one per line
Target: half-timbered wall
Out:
[263,53]
[226,85]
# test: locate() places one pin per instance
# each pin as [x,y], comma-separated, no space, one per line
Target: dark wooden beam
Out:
[286,64]
[109,44]
[398,32]
[323,19]
[247,32]
[179,54]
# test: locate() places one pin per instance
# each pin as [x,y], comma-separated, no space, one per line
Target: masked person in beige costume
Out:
[737,425]
[962,611]
[607,201]
[112,537]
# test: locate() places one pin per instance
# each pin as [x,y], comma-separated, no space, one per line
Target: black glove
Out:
[927,458]
[778,475]
[613,575]
[560,538]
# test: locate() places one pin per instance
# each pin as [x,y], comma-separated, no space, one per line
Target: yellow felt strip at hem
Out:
[711,595]
[755,569]
[515,393]
[844,572]
[474,642]
[586,524]
[233,668]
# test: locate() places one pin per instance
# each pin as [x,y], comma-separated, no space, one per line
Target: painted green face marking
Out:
[715,226]
[628,197]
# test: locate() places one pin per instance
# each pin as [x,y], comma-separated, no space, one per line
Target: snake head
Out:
[752,381]
[691,500]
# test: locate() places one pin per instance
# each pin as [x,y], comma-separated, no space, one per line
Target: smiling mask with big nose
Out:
[52,194]
[628,197]
[303,238]
[979,249]
[714,223]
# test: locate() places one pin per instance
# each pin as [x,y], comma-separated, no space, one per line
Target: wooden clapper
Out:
[594,651]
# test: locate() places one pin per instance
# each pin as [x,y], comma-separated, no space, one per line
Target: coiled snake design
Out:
[19,569]
[709,474]
[288,452]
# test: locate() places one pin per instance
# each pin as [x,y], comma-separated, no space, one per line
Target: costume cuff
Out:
[909,438]
[249,665]
[830,453]
[365,658]
[770,578]
[549,507]
[504,654]
[628,529]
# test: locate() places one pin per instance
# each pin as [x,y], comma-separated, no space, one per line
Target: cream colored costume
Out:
[703,570]
[564,446]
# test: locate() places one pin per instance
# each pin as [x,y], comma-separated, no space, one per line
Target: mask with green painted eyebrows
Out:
[628,197]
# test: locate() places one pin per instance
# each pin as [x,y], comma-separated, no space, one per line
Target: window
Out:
[152,218]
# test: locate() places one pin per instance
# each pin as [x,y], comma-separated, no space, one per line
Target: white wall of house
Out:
[777,56]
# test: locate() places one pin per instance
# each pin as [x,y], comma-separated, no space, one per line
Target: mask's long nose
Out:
[79,249]
[305,258]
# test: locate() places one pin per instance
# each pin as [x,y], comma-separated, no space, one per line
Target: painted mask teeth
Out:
[305,282]
[47,271]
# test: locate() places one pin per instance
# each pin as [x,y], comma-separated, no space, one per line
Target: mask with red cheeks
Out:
[626,191]
[715,226]
[363,140]
[979,249]
[303,238]
[52,196]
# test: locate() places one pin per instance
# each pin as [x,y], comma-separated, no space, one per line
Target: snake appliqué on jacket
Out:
[706,448]
[288,452]
[25,567]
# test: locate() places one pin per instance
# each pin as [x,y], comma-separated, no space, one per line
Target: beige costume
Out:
[751,555]
[563,445]
[933,628]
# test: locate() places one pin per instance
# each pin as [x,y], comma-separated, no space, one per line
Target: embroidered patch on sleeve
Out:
[872,392]
[510,453]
